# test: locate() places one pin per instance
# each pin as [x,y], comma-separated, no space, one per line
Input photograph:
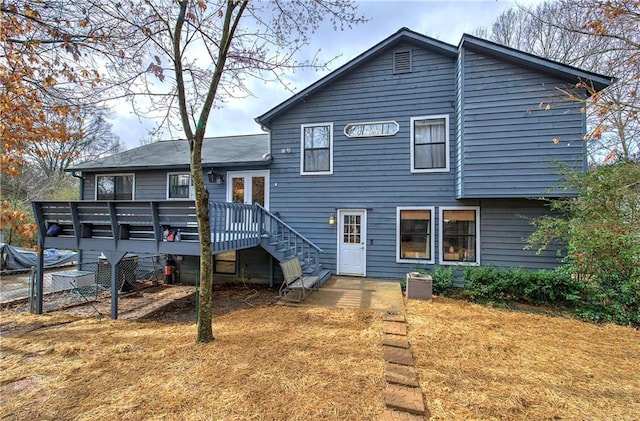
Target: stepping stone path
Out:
[403,397]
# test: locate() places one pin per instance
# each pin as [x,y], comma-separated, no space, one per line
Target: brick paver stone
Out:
[397,355]
[401,374]
[391,415]
[405,398]
[394,328]
[394,317]
[395,340]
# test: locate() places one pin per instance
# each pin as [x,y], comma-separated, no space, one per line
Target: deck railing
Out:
[289,238]
[139,225]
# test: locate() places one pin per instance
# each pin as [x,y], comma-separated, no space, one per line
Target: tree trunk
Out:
[205,331]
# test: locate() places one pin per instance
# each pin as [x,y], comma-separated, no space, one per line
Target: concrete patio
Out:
[353,292]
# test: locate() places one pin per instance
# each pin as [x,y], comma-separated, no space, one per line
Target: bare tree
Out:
[179,59]
[90,137]
[573,32]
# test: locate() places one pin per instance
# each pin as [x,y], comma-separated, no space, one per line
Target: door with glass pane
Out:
[352,242]
[247,187]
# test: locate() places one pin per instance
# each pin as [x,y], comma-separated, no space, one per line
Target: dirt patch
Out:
[226,299]
[165,303]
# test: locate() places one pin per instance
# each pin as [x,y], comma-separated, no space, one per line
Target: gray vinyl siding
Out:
[504,229]
[508,133]
[151,185]
[368,173]
[374,173]
[459,165]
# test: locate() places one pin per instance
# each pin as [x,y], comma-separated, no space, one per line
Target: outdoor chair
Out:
[295,286]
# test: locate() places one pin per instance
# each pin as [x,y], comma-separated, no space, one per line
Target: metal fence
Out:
[89,282]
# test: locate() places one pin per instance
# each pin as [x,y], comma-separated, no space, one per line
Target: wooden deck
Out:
[118,227]
[137,226]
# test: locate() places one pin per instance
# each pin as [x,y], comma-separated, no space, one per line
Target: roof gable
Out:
[562,71]
[402,35]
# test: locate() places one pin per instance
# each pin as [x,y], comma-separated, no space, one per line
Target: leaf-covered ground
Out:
[274,362]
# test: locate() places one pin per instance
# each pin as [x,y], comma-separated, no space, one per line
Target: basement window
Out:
[226,263]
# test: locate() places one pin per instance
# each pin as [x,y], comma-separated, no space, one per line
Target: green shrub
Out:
[443,277]
[540,287]
[613,299]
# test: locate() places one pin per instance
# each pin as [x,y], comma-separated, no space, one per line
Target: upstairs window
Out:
[372,129]
[430,143]
[460,235]
[114,187]
[414,242]
[317,149]
[179,186]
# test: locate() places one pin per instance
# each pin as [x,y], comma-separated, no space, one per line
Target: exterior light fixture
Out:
[215,177]
[332,219]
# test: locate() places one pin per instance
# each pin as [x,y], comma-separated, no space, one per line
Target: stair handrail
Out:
[265,211]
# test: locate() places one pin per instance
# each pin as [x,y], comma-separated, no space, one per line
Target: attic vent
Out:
[402,61]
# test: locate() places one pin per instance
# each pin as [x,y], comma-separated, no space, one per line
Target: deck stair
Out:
[285,243]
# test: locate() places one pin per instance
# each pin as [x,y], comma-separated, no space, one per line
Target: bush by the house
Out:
[617,300]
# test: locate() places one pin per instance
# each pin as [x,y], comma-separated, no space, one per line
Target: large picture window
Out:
[317,145]
[414,228]
[114,187]
[430,143]
[459,235]
[179,186]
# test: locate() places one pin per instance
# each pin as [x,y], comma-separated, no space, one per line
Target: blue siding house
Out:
[415,153]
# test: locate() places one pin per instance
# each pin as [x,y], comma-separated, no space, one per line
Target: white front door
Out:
[352,242]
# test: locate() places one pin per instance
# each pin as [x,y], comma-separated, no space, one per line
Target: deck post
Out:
[114,257]
[39,276]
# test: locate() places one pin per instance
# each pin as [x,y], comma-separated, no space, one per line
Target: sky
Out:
[443,20]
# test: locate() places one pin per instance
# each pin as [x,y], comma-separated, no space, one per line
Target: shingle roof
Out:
[216,151]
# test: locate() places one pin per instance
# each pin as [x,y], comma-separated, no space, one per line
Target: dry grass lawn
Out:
[283,363]
[481,363]
[267,363]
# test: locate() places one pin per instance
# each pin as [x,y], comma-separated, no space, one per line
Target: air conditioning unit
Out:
[71,279]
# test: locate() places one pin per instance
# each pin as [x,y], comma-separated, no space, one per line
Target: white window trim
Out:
[432,239]
[372,123]
[133,186]
[446,144]
[191,191]
[302,171]
[441,260]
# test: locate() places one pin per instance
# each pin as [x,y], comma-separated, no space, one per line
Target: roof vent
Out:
[402,61]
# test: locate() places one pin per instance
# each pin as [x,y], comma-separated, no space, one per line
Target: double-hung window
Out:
[430,143]
[460,235]
[114,187]
[317,149]
[179,186]
[414,238]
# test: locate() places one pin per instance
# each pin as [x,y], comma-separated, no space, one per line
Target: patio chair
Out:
[295,286]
